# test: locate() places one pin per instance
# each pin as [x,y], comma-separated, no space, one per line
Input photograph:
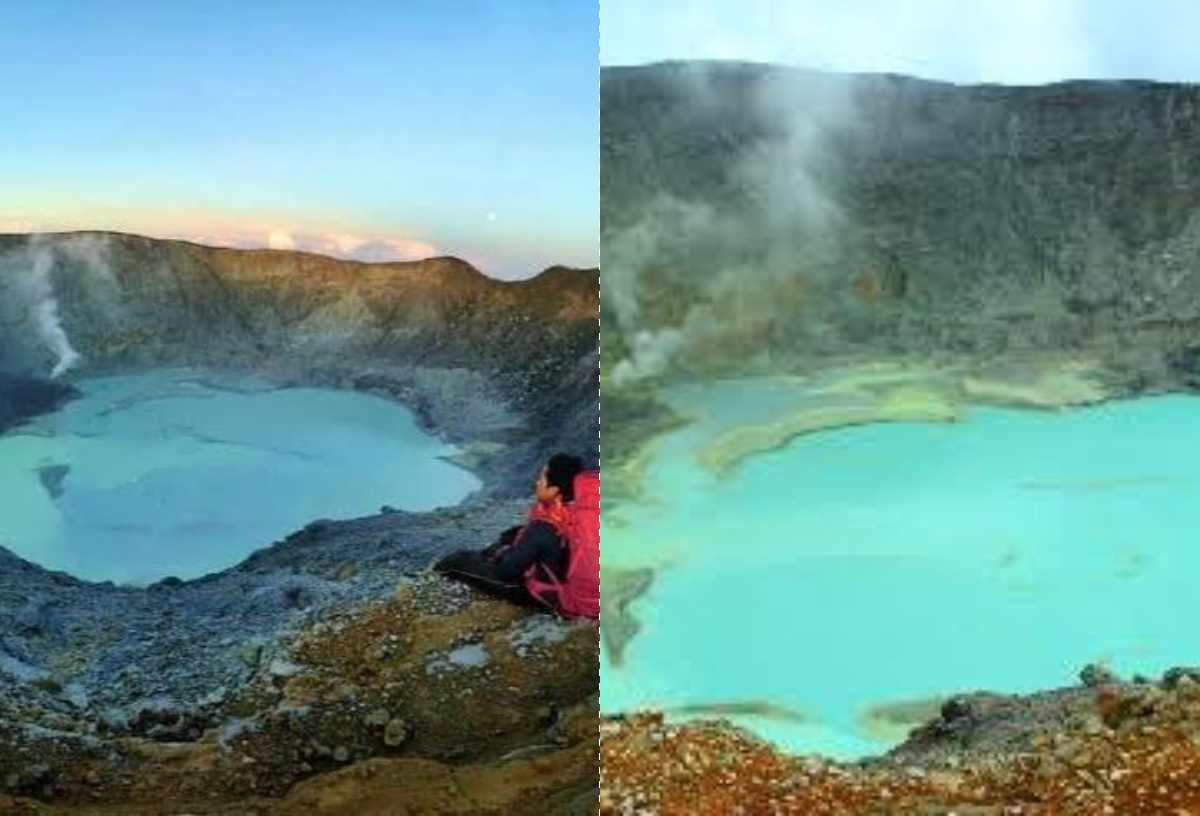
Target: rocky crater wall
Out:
[760,214]
[509,364]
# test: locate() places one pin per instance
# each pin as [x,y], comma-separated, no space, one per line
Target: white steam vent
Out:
[43,314]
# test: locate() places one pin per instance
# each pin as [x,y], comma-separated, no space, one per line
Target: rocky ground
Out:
[1108,747]
[433,699]
[116,650]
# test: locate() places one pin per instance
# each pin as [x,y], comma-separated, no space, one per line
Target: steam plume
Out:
[721,273]
[44,315]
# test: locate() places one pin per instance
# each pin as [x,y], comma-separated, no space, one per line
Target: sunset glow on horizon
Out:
[377,132]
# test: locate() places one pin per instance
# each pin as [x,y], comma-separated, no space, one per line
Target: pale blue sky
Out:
[1005,41]
[368,128]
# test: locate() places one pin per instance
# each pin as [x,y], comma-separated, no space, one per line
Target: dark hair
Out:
[561,471]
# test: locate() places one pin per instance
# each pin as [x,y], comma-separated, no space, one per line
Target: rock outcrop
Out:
[435,700]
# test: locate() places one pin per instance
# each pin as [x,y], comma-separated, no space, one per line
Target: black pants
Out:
[477,569]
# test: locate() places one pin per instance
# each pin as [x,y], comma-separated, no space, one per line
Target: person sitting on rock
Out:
[536,548]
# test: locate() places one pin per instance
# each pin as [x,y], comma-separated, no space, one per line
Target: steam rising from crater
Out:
[28,295]
[44,313]
[722,273]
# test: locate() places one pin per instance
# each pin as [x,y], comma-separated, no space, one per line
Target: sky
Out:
[368,129]
[1018,42]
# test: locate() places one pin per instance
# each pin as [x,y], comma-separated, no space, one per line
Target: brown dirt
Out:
[1140,757]
[377,719]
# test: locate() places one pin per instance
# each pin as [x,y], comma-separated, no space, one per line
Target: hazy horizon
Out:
[1013,42]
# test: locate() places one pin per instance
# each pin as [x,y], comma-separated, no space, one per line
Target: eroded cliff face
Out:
[760,216]
[505,363]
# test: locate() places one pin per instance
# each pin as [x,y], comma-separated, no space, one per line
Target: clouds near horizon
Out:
[464,128]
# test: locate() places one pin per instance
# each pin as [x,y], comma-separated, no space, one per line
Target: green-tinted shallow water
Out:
[171,473]
[888,564]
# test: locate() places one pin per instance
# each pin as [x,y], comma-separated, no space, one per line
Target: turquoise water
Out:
[891,563]
[178,473]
